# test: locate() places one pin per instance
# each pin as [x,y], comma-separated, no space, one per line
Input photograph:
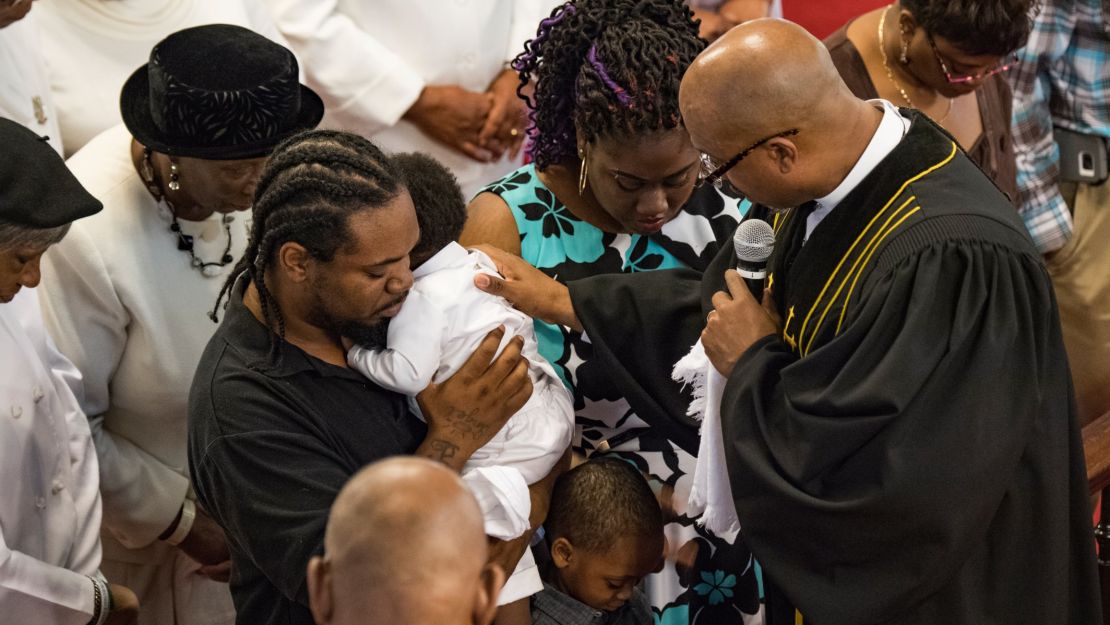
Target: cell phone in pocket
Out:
[1082,157]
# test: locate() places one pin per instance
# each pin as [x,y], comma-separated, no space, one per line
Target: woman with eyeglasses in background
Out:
[946,58]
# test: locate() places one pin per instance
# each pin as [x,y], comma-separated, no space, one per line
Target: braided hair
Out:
[311,185]
[605,67]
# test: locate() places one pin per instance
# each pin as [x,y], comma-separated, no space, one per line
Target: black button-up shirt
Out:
[270,445]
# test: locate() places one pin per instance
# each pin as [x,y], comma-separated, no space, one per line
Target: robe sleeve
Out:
[867,473]
[640,325]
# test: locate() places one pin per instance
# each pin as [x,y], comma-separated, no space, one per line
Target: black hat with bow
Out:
[217,92]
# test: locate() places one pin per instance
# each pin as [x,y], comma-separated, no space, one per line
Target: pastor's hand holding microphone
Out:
[738,319]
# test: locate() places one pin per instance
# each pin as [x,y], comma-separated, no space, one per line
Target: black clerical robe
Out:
[906,450]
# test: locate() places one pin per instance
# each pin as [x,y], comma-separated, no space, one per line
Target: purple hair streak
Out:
[622,95]
[546,24]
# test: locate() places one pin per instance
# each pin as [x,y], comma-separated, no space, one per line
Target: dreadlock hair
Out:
[994,27]
[605,67]
[599,501]
[311,185]
[440,207]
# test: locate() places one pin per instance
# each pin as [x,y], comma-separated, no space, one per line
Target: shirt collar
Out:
[451,254]
[886,138]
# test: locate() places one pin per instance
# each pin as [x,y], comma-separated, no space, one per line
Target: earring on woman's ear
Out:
[905,48]
[584,155]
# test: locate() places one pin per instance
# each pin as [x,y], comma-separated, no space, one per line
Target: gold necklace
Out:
[890,73]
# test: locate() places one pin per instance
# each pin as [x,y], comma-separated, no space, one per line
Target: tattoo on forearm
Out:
[441,450]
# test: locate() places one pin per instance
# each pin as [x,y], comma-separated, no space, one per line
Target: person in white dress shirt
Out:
[129,292]
[439,325]
[420,75]
[92,46]
[24,86]
[49,495]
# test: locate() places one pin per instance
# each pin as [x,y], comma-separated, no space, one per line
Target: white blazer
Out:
[369,61]
[24,84]
[49,490]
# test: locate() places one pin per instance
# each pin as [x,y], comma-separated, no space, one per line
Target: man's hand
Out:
[508,117]
[125,606]
[736,323]
[454,116]
[530,290]
[13,10]
[467,409]
[207,545]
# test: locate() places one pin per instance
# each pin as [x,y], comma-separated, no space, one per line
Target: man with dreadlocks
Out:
[277,422]
[612,191]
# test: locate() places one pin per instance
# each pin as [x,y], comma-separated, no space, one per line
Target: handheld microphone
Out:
[753,241]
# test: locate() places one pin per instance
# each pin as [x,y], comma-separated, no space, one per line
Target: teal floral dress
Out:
[721,587]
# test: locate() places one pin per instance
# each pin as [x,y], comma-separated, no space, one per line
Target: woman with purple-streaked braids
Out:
[613,188]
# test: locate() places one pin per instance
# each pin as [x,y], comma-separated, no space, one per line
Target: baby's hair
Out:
[600,501]
[440,208]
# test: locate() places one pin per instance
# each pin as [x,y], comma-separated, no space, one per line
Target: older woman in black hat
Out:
[129,290]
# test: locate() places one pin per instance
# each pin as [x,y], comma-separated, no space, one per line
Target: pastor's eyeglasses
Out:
[713,172]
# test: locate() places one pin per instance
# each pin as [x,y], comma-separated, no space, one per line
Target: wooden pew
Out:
[1096,447]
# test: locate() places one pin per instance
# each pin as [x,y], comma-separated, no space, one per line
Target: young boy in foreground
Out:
[605,533]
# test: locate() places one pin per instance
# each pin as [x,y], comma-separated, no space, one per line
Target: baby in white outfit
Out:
[440,324]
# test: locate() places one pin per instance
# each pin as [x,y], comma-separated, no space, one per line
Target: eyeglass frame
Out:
[961,79]
[715,176]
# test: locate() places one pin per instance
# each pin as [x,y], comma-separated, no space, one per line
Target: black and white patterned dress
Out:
[723,586]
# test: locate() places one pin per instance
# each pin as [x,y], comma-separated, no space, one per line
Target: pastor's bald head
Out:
[761,77]
[404,544]
[760,80]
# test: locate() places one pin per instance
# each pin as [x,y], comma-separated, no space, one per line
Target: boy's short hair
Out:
[440,207]
[600,501]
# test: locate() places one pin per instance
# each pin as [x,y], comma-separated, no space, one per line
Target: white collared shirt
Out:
[49,491]
[887,137]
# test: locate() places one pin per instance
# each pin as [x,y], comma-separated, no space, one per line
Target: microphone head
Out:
[754,241]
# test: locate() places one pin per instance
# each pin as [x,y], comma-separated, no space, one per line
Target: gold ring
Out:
[513,132]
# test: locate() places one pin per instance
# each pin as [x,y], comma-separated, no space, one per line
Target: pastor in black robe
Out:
[906,450]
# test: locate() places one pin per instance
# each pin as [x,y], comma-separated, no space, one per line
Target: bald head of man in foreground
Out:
[405,545]
[770,82]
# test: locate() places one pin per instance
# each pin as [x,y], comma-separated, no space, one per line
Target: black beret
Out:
[37,190]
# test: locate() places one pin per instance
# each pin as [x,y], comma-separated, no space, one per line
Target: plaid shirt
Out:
[1062,78]
[551,607]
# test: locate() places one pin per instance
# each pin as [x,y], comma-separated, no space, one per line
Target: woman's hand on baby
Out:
[528,289]
[465,411]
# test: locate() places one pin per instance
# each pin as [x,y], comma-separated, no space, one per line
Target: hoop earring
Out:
[582,179]
[174,184]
